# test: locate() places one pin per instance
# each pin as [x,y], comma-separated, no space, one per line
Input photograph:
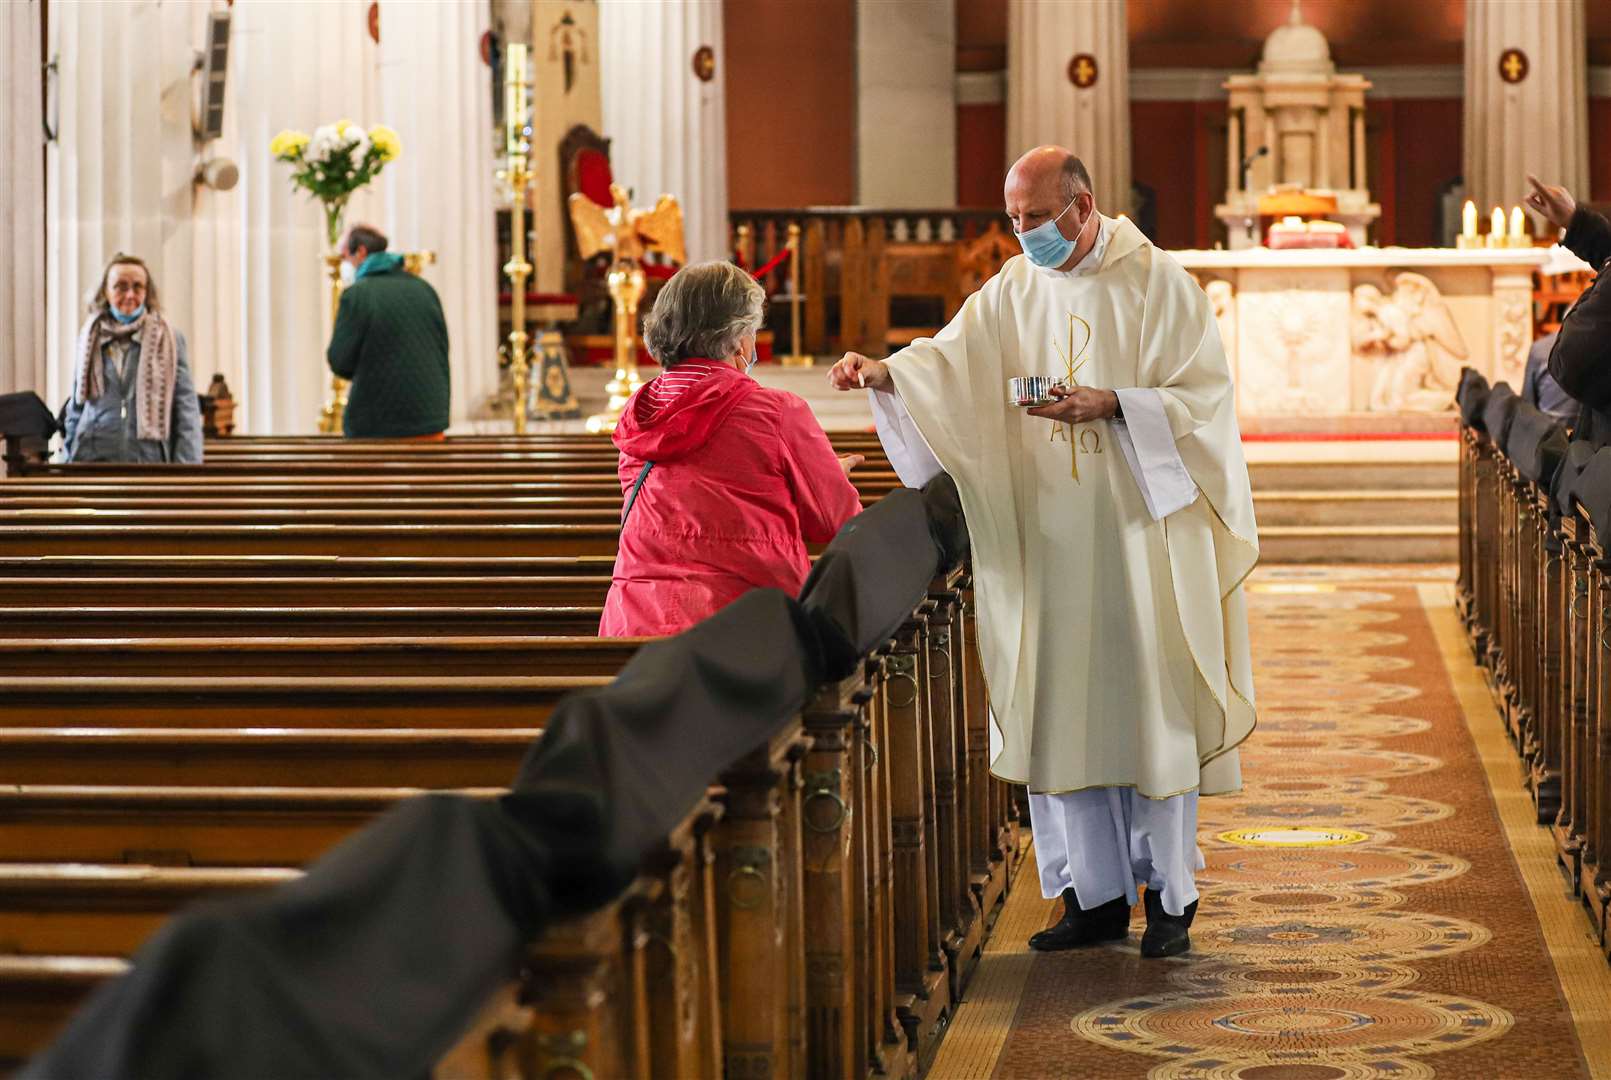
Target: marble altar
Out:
[1368,339]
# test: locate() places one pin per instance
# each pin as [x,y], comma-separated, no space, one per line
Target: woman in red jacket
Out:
[725,480]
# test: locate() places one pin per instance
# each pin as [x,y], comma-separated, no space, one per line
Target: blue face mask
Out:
[1046,245]
[126,319]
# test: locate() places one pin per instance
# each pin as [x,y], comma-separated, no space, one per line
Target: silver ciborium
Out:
[1027,391]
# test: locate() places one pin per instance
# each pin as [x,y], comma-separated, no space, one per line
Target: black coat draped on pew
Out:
[375,962]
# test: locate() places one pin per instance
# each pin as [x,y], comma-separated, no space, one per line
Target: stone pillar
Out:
[1068,82]
[1526,100]
[293,65]
[437,92]
[906,153]
[22,212]
[104,185]
[663,70]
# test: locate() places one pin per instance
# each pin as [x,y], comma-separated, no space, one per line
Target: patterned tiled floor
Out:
[1363,915]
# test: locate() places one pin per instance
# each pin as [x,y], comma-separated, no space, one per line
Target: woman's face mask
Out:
[348,272]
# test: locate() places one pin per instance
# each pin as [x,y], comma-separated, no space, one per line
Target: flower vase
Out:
[330,416]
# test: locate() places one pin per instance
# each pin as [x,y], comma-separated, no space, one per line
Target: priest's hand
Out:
[850,461]
[1080,405]
[855,371]
[1553,201]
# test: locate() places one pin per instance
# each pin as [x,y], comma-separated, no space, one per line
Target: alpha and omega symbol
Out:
[705,63]
[1082,71]
[1513,66]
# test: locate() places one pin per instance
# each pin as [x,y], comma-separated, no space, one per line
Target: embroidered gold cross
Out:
[1072,362]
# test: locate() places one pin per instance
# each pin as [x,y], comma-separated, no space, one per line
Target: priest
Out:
[1112,531]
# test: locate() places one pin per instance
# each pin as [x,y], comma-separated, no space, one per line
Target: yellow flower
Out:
[386,141]
[288,144]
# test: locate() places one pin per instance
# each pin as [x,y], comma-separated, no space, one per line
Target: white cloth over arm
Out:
[1149,449]
[909,455]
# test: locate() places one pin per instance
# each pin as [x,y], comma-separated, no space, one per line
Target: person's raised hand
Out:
[855,371]
[850,461]
[1553,201]
[1080,405]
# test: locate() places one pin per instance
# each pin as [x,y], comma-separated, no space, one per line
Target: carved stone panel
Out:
[1292,342]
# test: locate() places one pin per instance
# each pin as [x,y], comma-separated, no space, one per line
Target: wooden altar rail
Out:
[1534,592]
[843,268]
[818,915]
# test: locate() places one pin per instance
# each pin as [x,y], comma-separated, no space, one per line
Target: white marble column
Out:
[1539,124]
[906,145]
[296,64]
[436,91]
[1045,106]
[22,204]
[668,126]
[104,172]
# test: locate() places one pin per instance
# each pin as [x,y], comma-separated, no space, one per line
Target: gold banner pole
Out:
[518,172]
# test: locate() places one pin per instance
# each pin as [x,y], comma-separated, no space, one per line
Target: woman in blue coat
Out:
[133,396]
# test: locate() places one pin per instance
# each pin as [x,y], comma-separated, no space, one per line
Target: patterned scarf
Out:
[159,367]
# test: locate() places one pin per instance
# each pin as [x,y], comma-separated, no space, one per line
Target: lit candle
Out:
[1496,228]
[1518,224]
[1468,219]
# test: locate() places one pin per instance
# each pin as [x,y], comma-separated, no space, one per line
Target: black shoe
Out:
[1078,928]
[1166,934]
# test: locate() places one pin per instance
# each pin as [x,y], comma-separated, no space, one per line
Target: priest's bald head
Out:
[1049,199]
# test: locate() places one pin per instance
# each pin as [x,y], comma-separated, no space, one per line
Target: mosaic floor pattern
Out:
[1362,916]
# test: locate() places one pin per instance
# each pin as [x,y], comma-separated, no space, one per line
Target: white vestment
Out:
[1112,628]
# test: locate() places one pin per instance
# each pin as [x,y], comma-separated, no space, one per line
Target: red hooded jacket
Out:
[743,477]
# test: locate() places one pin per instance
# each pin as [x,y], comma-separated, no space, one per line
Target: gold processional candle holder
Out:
[517,173]
[627,234]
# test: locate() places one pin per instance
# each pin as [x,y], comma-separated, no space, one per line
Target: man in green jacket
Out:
[391,341]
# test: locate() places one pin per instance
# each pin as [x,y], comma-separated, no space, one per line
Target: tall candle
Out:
[1518,223]
[514,103]
[1496,231]
[1468,219]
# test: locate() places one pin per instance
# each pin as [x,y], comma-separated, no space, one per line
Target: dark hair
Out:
[367,237]
[95,303]
[1075,177]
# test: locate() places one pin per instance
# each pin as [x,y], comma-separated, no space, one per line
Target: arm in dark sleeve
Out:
[1581,359]
[1588,236]
[347,339]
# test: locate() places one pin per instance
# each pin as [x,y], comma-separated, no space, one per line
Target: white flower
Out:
[359,141]
[325,140]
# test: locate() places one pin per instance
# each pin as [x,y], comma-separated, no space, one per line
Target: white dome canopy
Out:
[1296,49]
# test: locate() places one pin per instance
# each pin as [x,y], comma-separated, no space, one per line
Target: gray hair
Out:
[1076,179]
[702,312]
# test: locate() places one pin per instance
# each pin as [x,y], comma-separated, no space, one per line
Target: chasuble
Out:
[1112,622]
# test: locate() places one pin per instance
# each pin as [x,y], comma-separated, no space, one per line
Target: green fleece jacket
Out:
[391,340]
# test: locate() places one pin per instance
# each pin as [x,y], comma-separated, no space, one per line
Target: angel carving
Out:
[1411,334]
[626,233]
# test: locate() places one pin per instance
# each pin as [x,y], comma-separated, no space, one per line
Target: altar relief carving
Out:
[1409,337]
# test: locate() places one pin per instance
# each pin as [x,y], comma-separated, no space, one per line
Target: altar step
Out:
[1376,500]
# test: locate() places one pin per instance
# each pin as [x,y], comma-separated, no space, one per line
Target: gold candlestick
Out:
[516,81]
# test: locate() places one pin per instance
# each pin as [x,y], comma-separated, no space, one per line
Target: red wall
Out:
[791,103]
[981,154]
